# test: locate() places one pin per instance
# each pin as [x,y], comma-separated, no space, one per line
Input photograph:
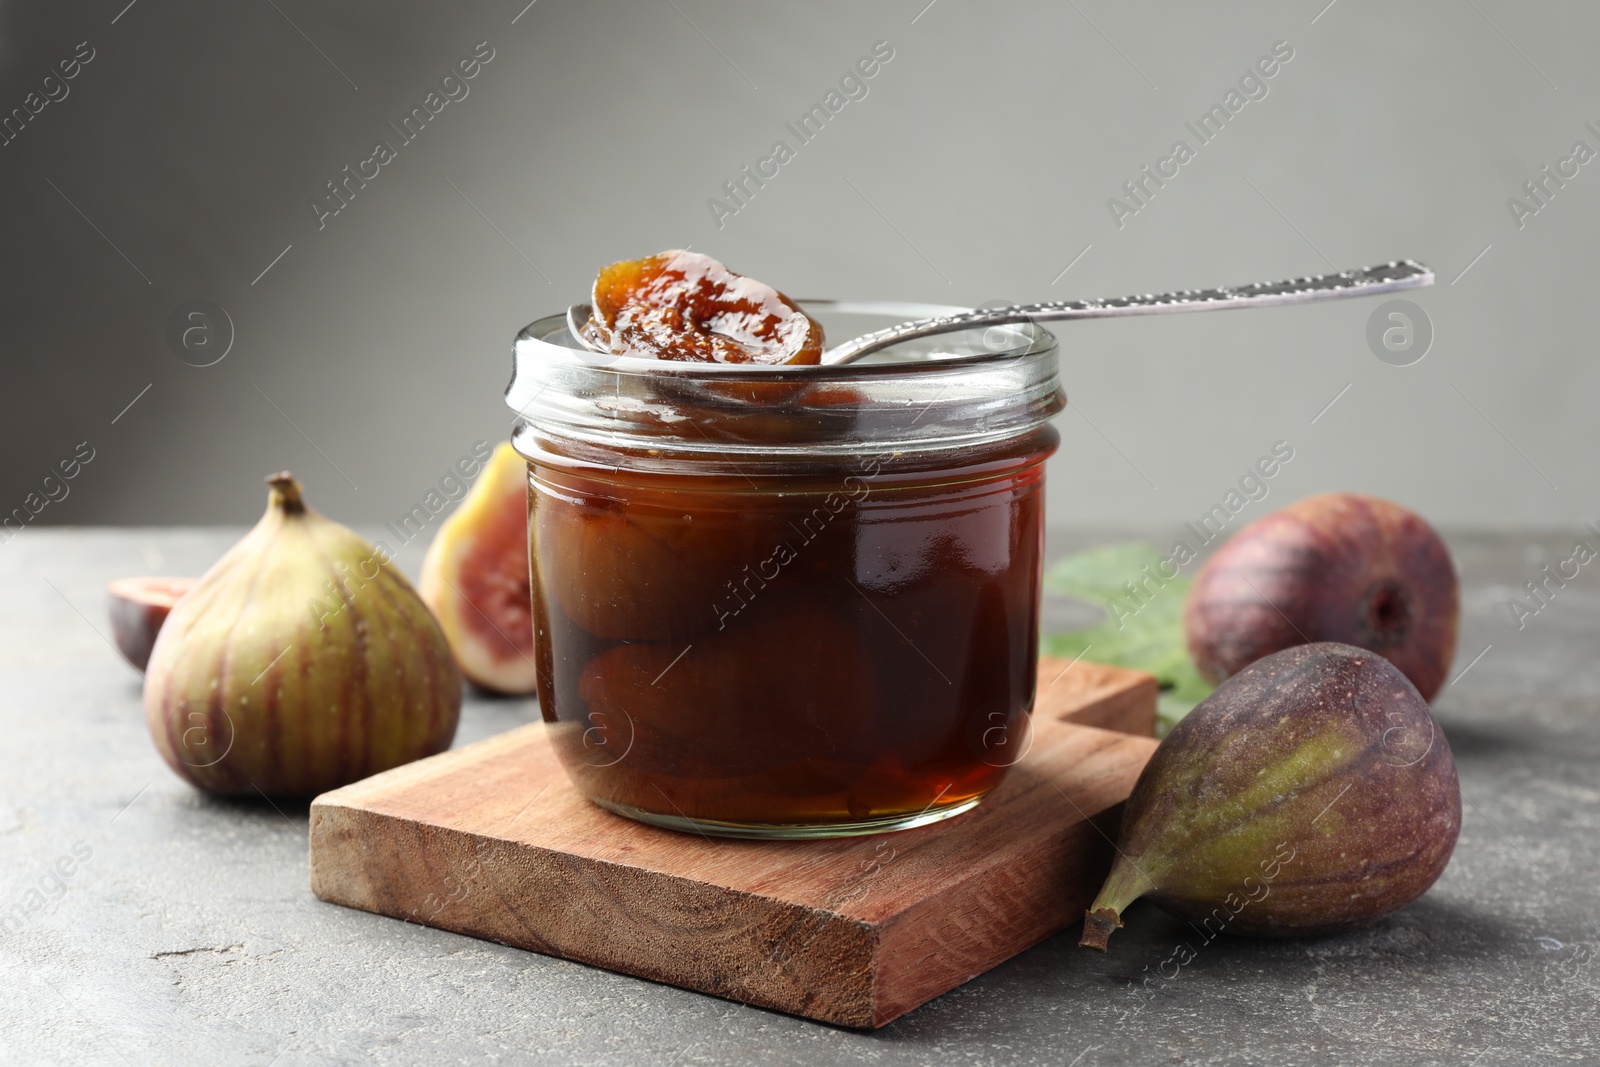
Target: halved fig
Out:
[686,306]
[138,608]
[475,578]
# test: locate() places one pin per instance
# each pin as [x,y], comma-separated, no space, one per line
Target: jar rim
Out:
[923,394]
[550,337]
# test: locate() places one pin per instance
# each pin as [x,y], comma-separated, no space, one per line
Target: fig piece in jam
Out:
[745,701]
[686,306]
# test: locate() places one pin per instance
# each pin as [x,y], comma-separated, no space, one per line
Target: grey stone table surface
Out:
[186,931]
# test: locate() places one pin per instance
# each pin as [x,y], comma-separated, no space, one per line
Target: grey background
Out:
[374,352]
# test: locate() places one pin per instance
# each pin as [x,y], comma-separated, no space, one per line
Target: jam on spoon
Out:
[686,306]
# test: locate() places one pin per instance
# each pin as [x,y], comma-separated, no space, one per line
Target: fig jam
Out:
[686,306]
[772,598]
[851,644]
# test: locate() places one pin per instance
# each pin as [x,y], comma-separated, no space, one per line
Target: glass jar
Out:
[794,602]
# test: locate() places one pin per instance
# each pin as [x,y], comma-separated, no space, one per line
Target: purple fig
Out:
[1312,792]
[1334,567]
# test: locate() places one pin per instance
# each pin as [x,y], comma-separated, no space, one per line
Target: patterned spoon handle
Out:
[1369,281]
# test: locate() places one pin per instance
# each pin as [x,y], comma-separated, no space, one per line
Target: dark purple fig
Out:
[1312,792]
[1335,567]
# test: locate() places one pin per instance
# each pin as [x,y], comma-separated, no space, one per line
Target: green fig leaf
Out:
[1144,630]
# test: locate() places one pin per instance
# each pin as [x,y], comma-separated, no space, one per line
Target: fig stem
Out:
[1098,926]
[1125,884]
[285,494]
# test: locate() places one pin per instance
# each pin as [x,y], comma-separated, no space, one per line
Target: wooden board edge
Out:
[1042,905]
[438,863]
[1128,707]
[394,779]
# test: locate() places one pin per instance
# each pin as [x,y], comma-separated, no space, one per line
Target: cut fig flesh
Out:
[138,608]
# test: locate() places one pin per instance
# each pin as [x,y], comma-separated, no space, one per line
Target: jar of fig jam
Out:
[788,601]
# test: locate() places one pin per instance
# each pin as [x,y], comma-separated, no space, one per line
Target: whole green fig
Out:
[301,661]
[1311,792]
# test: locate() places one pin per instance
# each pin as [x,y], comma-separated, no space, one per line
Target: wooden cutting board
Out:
[492,840]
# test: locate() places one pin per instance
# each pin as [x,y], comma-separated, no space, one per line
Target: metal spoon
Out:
[1369,281]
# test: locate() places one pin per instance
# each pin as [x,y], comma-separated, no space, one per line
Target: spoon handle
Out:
[1369,281]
